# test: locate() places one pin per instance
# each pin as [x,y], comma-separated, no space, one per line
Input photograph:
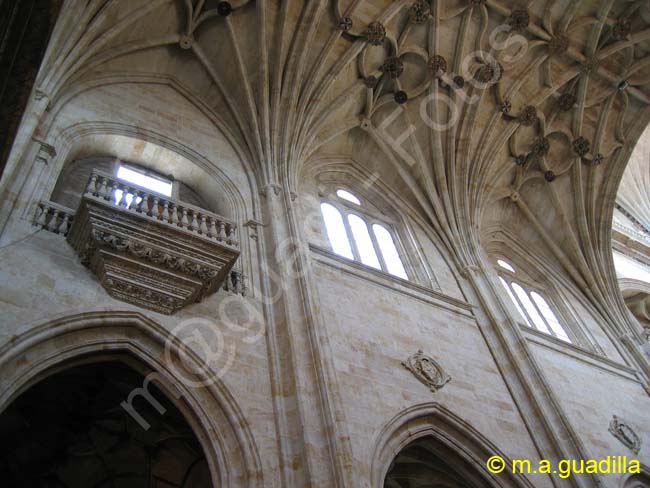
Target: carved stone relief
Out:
[427,370]
[147,262]
[624,433]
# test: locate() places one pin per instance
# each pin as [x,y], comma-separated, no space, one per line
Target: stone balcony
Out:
[147,249]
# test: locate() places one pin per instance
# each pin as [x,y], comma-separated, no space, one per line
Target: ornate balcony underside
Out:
[153,252]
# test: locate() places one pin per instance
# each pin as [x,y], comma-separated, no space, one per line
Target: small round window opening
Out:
[346,195]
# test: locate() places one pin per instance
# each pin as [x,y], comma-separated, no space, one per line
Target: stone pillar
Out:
[21,186]
[314,451]
[547,423]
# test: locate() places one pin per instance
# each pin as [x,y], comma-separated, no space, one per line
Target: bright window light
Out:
[117,198]
[550,317]
[530,308]
[150,183]
[505,265]
[336,231]
[346,195]
[515,301]
[363,241]
[389,251]
[628,268]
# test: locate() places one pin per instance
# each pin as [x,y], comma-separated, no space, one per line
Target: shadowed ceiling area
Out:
[69,431]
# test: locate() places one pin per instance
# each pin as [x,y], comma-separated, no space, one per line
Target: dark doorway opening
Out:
[70,431]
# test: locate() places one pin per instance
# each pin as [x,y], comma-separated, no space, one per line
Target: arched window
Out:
[531,305]
[355,234]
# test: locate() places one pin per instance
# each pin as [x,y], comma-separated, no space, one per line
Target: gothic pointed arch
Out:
[458,451]
[638,480]
[144,345]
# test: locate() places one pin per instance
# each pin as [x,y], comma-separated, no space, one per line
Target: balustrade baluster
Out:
[54,225]
[184,222]
[222,231]
[143,206]
[109,191]
[65,225]
[42,218]
[231,234]
[165,211]
[213,228]
[204,225]
[125,193]
[91,189]
[155,208]
[103,189]
[194,225]
[134,201]
[174,215]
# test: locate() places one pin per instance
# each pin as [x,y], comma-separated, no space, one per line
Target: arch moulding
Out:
[435,421]
[145,345]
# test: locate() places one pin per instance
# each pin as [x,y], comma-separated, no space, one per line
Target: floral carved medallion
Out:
[427,370]
[624,433]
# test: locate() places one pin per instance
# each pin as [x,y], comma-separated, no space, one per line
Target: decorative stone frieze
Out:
[427,370]
[419,12]
[459,81]
[598,159]
[567,101]
[621,30]
[370,81]
[558,44]
[540,147]
[528,116]
[437,65]
[345,24]
[401,97]
[519,19]
[393,67]
[581,146]
[153,251]
[489,73]
[224,9]
[624,433]
[375,33]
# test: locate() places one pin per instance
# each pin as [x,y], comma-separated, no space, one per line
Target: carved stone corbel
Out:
[276,189]
[253,226]
[46,152]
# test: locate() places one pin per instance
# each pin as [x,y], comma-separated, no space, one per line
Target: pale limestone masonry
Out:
[504,135]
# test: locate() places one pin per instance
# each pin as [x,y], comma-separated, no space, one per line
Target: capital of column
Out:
[270,189]
[45,151]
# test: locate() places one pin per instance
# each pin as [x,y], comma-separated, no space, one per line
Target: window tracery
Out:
[355,234]
[530,303]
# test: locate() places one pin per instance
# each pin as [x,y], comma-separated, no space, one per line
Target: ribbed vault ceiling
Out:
[548,97]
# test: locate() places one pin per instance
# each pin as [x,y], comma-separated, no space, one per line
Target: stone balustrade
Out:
[54,217]
[147,249]
[135,199]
